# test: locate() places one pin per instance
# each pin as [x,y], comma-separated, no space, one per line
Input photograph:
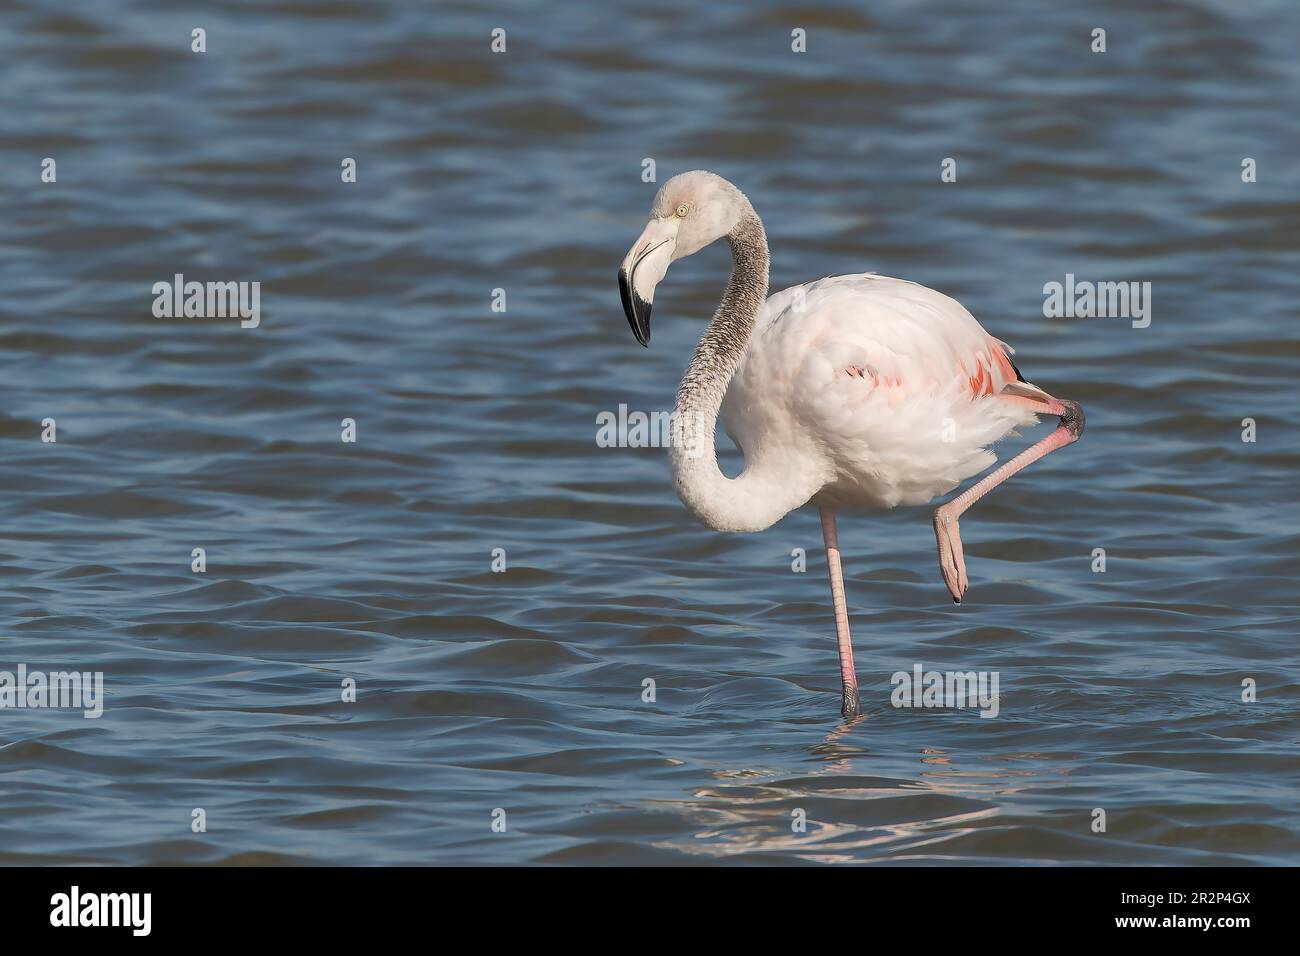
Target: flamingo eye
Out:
[682,210]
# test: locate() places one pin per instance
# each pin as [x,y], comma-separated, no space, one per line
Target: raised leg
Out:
[849,705]
[947,532]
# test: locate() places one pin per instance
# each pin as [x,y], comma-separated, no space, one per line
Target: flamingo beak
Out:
[641,271]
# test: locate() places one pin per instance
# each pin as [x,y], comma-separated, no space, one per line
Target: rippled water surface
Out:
[522,690]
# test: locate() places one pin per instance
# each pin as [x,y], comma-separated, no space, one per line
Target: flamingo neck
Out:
[759,496]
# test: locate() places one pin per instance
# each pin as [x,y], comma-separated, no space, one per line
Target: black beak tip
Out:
[636,309]
[641,327]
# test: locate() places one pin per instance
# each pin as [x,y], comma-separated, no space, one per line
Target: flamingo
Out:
[853,391]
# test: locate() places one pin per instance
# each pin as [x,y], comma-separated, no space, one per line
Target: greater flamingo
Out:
[850,391]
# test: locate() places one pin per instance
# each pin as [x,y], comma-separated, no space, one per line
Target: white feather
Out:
[909,427]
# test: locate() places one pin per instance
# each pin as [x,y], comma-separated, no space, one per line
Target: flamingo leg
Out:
[947,532]
[849,705]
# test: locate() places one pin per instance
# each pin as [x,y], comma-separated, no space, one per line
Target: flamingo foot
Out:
[850,706]
[947,532]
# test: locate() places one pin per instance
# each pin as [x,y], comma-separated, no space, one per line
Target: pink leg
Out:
[946,529]
[849,706]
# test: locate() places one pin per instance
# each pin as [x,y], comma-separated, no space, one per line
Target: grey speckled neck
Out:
[723,343]
[757,497]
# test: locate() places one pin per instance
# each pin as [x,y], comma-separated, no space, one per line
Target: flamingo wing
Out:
[897,386]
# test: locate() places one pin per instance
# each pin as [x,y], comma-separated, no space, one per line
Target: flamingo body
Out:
[889,390]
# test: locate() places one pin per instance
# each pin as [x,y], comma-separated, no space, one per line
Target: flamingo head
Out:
[690,211]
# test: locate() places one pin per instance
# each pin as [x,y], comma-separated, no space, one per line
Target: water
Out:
[476,431]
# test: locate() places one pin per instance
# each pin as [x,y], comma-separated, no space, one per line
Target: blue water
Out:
[521,691]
